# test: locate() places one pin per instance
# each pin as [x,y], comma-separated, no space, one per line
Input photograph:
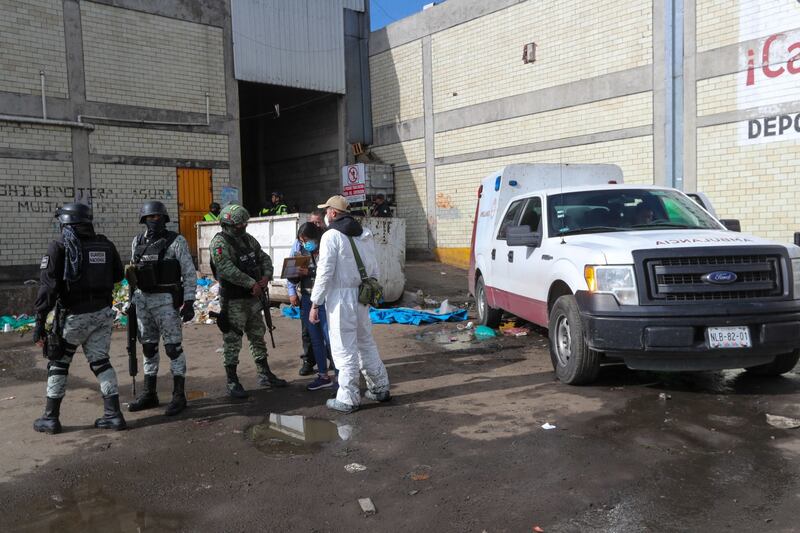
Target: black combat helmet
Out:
[153,207]
[74,213]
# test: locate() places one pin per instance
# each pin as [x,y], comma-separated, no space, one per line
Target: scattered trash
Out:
[548,425]
[220,350]
[413,492]
[352,468]
[537,529]
[30,282]
[420,473]
[468,325]
[515,332]
[484,332]
[783,422]
[664,396]
[17,323]
[367,507]
[7,398]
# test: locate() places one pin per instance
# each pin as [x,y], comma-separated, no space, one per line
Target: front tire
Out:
[573,362]
[782,364]
[487,316]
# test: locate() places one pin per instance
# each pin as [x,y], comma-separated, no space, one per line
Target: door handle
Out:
[546,257]
[511,256]
[494,253]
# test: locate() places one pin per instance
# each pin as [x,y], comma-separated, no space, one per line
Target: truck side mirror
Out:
[523,236]
[797,238]
[731,224]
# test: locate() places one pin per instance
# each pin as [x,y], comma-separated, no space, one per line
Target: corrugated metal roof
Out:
[293,43]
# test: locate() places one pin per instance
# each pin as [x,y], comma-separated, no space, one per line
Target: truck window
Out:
[610,210]
[512,215]
[532,214]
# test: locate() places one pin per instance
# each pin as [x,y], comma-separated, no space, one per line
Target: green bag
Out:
[370,291]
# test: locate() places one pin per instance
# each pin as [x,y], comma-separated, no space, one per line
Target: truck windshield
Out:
[624,210]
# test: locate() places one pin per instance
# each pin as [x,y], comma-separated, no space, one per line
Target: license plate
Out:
[729,337]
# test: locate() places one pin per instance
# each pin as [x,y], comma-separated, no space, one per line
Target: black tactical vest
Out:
[153,272]
[246,260]
[93,289]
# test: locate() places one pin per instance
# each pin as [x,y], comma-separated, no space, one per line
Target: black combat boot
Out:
[112,416]
[266,378]
[178,402]
[308,367]
[49,423]
[148,398]
[235,389]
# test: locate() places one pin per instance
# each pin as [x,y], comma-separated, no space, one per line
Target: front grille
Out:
[680,279]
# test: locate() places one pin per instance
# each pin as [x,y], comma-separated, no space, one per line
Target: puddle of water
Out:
[295,435]
[90,509]
[195,395]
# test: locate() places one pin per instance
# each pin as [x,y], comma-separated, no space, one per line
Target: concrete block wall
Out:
[749,177]
[113,140]
[307,181]
[481,59]
[30,192]
[588,98]
[31,40]
[132,69]
[137,58]
[396,84]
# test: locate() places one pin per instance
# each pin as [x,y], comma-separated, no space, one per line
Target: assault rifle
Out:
[53,348]
[265,305]
[133,361]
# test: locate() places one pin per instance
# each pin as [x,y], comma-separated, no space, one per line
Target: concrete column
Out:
[76,80]
[232,107]
[690,95]
[430,132]
[660,74]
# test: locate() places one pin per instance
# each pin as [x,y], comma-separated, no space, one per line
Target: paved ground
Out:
[460,448]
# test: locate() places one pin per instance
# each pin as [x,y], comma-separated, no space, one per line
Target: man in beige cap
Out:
[352,345]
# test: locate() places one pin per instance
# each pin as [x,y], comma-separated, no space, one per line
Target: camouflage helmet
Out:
[233,215]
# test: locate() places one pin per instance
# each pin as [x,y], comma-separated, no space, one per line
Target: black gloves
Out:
[187,310]
[38,330]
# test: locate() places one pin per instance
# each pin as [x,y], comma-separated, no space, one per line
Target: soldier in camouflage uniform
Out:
[163,272]
[78,275]
[243,270]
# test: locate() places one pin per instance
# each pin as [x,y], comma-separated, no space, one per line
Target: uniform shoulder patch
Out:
[45,263]
[218,250]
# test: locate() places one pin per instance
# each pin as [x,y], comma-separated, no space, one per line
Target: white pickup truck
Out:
[641,274]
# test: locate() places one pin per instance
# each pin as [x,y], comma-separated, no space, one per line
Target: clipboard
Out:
[292,265]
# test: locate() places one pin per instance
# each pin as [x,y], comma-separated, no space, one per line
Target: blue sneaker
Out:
[322,382]
[342,407]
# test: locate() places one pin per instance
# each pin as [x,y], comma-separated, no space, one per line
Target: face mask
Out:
[238,232]
[327,221]
[154,227]
[310,246]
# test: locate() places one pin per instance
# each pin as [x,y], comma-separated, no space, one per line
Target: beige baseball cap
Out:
[337,202]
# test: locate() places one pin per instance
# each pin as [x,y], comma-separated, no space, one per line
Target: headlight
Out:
[796,276]
[617,280]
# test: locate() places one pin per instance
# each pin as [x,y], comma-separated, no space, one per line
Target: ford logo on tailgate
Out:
[720,277]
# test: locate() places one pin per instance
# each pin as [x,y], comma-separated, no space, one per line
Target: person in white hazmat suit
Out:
[352,345]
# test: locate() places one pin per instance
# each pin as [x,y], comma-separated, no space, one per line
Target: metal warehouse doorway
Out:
[292,142]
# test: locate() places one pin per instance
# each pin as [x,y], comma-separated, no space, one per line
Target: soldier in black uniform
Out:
[78,276]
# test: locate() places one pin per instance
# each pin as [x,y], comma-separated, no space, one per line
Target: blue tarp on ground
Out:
[399,315]
[405,315]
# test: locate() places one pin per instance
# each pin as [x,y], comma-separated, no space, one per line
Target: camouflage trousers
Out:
[157,318]
[92,331]
[245,315]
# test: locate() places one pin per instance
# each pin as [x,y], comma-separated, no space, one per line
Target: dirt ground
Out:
[460,448]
